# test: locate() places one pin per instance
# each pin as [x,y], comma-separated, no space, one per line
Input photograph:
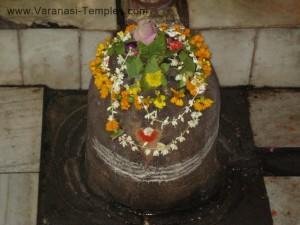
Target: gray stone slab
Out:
[277,58]
[243,13]
[20,129]
[51,57]
[92,14]
[18,198]
[89,43]
[232,52]
[275,118]
[284,198]
[10,72]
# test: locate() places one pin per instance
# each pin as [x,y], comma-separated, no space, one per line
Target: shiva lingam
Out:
[153,118]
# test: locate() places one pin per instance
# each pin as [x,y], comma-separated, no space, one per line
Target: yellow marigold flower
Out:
[163,26]
[130,28]
[112,125]
[138,105]
[177,27]
[104,84]
[177,97]
[94,65]
[160,101]
[134,90]
[202,104]
[154,79]
[191,88]
[101,47]
[125,100]
[147,101]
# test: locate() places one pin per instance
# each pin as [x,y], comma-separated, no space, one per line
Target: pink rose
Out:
[145,32]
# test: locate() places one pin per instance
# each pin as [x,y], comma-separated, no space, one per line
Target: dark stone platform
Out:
[65,199]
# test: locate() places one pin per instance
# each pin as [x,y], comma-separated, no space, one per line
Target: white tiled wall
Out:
[10,70]
[232,52]
[51,57]
[277,58]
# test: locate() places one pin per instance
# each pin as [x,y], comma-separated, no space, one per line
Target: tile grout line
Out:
[20,58]
[253,55]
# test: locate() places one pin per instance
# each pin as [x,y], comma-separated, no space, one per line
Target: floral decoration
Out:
[147,67]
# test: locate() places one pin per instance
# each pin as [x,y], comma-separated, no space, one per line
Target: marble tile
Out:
[284,198]
[91,14]
[243,13]
[231,54]
[275,118]
[89,43]
[10,72]
[18,198]
[277,58]
[51,57]
[20,129]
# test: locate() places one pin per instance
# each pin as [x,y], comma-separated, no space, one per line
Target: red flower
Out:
[147,135]
[174,45]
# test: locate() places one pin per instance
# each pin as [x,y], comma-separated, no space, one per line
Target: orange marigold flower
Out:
[112,125]
[206,67]
[187,32]
[130,28]
[191,88]
[203,52]
[125,100]
[177,97]
[202,104]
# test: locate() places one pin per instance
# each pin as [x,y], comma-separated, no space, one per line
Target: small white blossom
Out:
[193,123]
[196,115]
[156,153]
[120,59]
[174,122]
[173,146]
[180,138]
[147,151]
[134,148]
[174,62]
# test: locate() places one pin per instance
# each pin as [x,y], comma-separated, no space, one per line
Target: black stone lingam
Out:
[161,183]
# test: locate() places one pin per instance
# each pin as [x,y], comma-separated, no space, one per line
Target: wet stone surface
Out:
[66,199]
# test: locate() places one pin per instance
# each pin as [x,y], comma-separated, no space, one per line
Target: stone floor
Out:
[275,121]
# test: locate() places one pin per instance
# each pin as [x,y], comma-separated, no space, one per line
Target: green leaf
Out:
[157,47]
[152,65]
[118,48]
[188,63]
[165,67]
[117,134]
[134,66]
